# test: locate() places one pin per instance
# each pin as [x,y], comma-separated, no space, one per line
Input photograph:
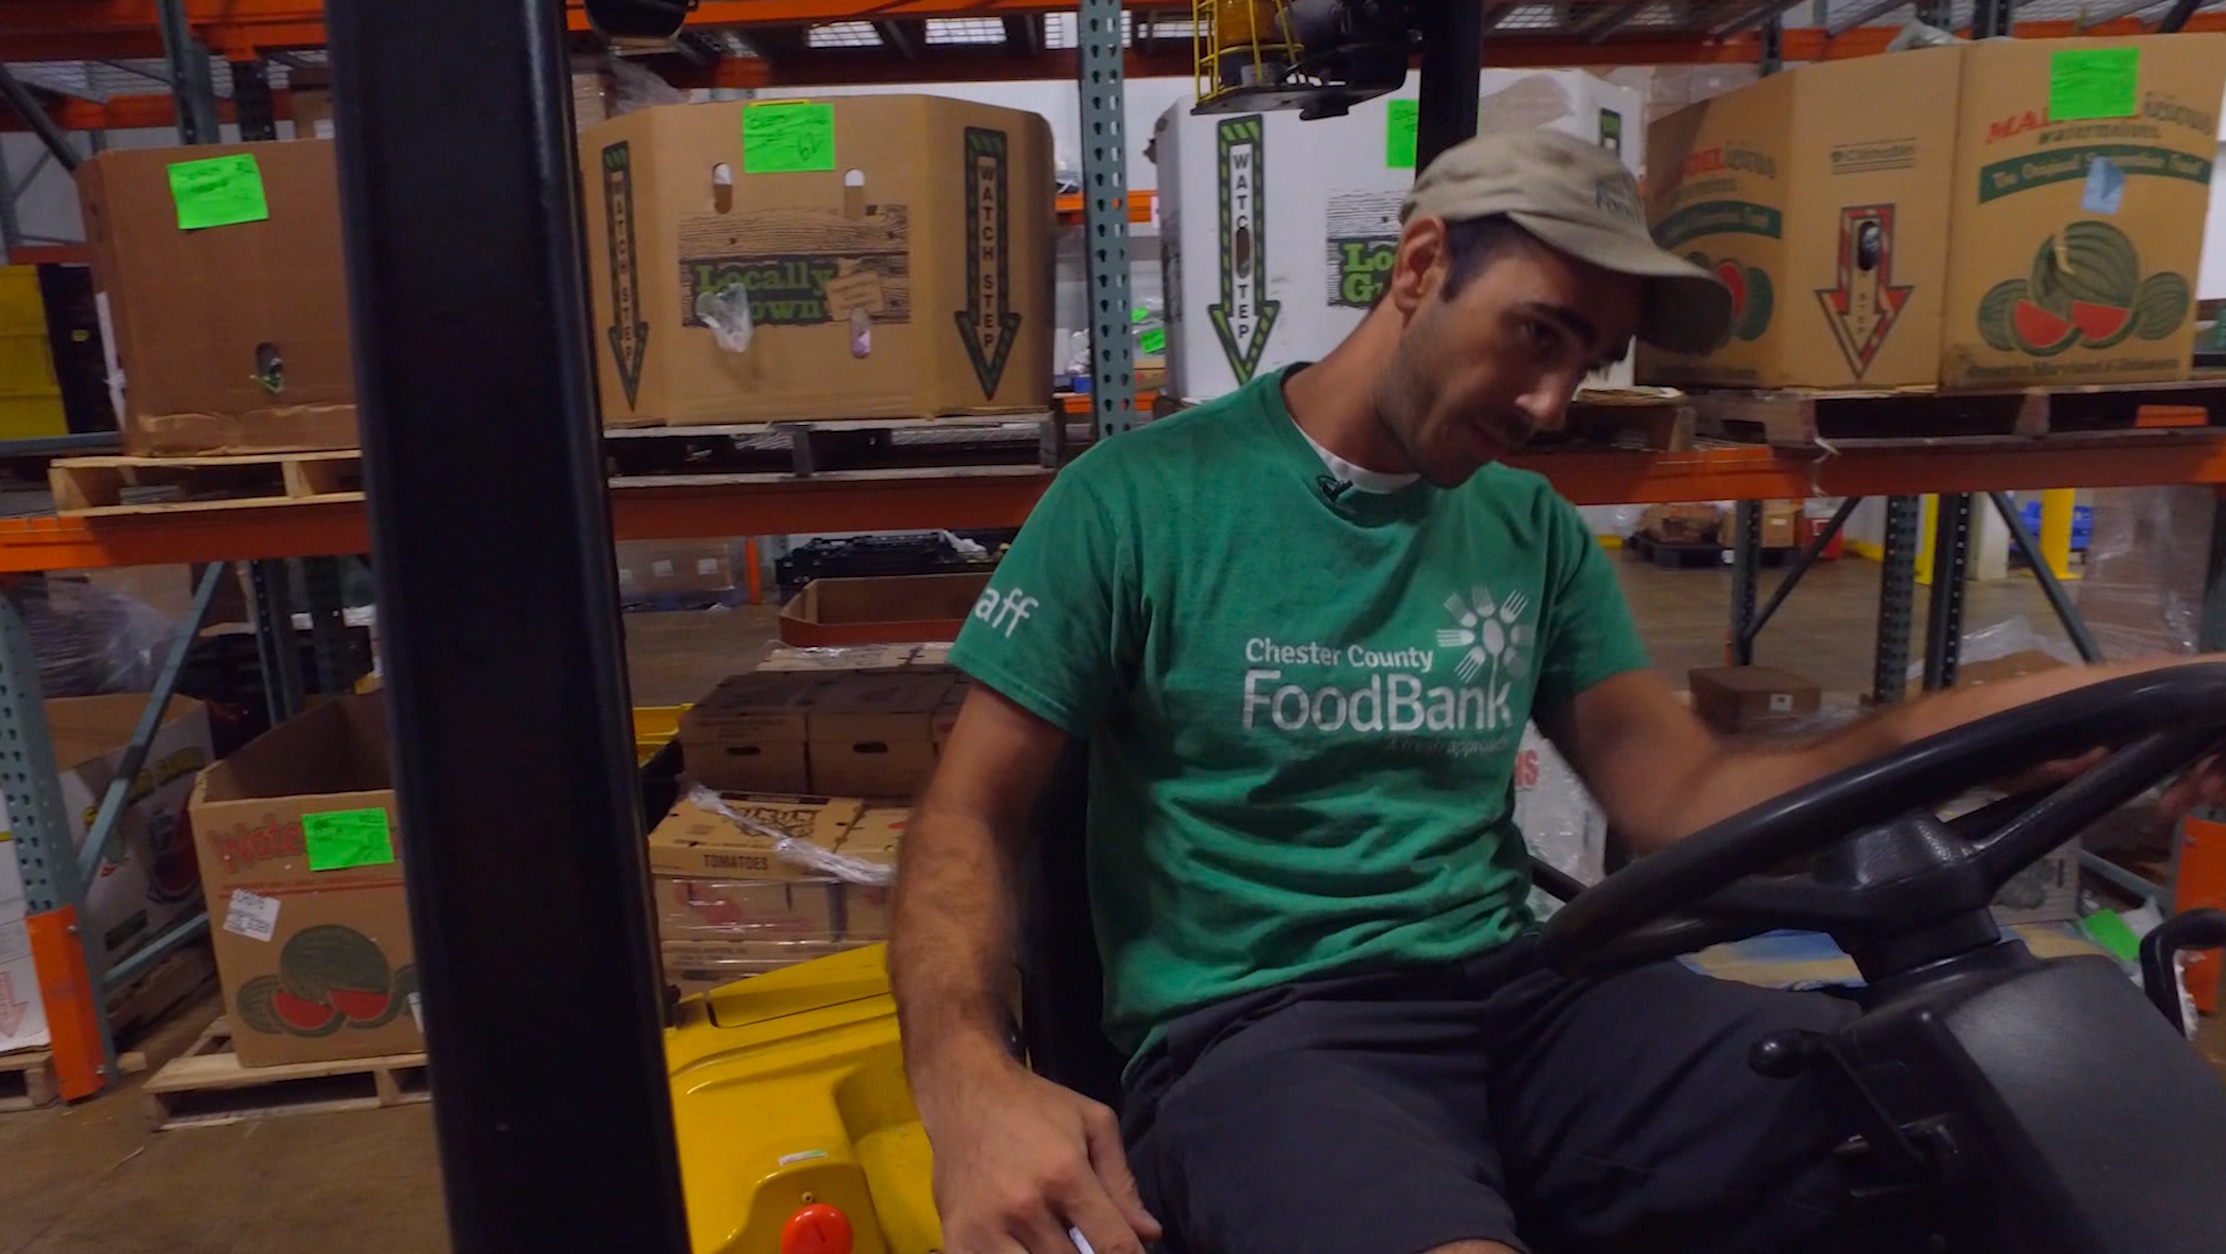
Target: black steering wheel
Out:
[1895,885]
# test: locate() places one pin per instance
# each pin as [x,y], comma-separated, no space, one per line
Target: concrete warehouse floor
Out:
[92,1179]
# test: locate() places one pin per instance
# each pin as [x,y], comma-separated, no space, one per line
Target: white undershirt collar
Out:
[1379,482]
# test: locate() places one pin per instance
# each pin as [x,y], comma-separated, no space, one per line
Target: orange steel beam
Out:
[50,254]
[2201,883]
[72,1005]
[129,112]
[863,501]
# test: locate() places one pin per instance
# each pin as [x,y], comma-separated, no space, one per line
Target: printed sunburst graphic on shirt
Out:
[1493,633]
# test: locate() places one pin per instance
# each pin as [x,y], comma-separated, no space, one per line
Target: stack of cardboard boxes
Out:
[886,256]
[1704,522]
[731,904]
[688,571]
[872,733]
[808,762]
[2005,213]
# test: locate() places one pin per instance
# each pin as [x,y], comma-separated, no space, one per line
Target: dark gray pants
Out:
[1493,1100]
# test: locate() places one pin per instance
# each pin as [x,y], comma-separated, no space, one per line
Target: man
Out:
[1303,627]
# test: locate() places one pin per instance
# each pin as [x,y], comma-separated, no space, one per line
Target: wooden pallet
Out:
[27,1079]
[1647,419]
[139,485]
[810,448]
[207,1087]
[1803,418]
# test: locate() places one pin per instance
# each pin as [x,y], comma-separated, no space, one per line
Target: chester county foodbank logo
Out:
[1494,634]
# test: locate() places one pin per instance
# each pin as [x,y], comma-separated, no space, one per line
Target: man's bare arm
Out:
[1662,774]
[1018,1160]
[951,956]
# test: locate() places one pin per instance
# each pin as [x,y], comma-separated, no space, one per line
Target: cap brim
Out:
[1685,309]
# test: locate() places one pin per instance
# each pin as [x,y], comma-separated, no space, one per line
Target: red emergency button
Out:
[816,1229]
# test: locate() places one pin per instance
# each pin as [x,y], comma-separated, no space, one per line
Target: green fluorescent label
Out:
[339,839]
[1719,217]
[2093,83]
[2069,165]
[788,137]
[1399,135]
[218,191]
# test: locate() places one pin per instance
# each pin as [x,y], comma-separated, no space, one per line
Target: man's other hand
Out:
[2203,784]
[1019,1160]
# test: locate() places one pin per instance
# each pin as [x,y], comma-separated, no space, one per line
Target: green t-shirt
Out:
[1304,704]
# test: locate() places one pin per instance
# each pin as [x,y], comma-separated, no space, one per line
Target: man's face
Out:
[1477,373]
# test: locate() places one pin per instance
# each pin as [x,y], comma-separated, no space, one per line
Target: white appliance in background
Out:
[1275,234]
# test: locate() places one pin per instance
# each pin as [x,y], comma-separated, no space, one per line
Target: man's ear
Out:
[1423,263]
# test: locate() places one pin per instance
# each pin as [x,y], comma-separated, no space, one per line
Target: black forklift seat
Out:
[1062,983]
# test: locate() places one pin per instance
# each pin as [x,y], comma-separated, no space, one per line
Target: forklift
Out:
[2040,1107]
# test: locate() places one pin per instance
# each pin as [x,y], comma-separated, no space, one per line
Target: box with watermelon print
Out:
[1995,214]
[2082,180]
[1820,198]
[302,866]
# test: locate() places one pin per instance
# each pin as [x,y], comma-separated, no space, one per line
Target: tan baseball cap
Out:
[1577,197]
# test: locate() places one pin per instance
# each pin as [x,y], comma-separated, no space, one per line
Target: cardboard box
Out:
[2075,245]
[1743,699]
[893,254]
[1922,218]
[149,878]
[302,864]
[312,112]
[1275,233]
[1689,523]
[1781,525]
[831,612]
[694,840]
[840,659]
[2010,666]
[749,735]
[876,837]
[224,338]
[693,907]
[875,735]
[662,567]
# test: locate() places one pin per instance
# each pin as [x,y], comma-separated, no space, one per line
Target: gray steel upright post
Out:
[1746,561]
[190,83]
[271,582]
[251,100]
[1105,192]
[37,818]
[1897,599]
[328,625]
[1951,561]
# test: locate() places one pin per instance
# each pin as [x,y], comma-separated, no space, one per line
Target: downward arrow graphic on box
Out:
[1243,318]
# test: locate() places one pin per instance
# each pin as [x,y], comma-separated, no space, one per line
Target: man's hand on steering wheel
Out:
[2200,785]
[2203,784]
[1896,881]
